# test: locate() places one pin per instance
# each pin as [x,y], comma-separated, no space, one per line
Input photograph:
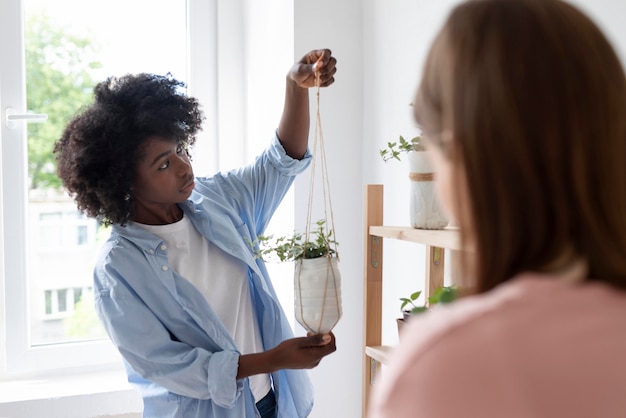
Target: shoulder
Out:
[478,348]
[504,314]
[525,298]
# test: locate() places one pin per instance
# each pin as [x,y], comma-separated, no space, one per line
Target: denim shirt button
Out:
[163,247]
[165,268]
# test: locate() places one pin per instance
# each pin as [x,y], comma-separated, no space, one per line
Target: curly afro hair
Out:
[100,147]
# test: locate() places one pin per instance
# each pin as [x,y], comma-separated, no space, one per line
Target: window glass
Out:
[70,45]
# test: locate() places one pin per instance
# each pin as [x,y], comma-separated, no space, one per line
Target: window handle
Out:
[12,117]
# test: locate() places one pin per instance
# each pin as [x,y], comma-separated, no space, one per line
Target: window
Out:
[54,51]
[61,303]
[48,248]
[65,229]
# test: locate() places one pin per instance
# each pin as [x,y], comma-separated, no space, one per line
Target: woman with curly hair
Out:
[177,287]
[521,106]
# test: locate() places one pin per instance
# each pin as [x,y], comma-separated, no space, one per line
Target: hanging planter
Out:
[317,281]
[317,291]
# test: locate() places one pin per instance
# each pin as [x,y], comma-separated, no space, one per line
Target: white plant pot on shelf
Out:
[317,294]
[425,210]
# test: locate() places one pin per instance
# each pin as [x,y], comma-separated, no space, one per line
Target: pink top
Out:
[534,347]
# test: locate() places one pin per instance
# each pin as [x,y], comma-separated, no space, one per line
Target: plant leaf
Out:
[418,309]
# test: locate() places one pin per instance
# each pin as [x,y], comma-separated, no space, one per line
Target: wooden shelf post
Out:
[372,289]
[435,257]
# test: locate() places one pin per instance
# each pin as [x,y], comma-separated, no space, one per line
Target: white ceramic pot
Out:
[425,211]
[317,292]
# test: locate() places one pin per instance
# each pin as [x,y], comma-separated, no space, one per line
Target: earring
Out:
[127,197]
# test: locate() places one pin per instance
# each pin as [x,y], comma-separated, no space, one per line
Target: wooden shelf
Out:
[443,238]
[435,242]
[380,353]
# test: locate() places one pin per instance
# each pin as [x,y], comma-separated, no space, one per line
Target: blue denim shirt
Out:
[176,350]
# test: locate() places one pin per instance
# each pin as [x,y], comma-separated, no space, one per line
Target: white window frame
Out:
[17,357]
[233,64]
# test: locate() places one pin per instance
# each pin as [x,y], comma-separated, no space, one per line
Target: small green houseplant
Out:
[442,295]
[320,243]
[424,209]
[395,149]
[317,280]
[410,307]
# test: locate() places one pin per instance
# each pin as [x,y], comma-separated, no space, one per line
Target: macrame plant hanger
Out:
[331,305]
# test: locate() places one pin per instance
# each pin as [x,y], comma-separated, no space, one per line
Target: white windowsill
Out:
[81,395]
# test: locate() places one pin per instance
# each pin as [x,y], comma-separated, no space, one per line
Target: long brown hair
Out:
[534,99]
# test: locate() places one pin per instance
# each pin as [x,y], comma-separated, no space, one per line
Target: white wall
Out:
[337,25]
[397,37]
[398,34]
[380,46]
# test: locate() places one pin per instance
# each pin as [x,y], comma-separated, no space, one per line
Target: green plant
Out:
[410,301]
[321,243]
[394,149]
[442,295]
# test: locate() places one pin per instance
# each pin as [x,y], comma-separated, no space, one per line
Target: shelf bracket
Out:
[437,255]
[375,252]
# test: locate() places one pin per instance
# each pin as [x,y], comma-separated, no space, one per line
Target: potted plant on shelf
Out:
[425,212]
[409,306]
[317,280]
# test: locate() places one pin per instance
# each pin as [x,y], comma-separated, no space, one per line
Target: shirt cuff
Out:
[286,164]
[224,391]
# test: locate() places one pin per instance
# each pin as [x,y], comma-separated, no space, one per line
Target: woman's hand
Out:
[319,60]
[293,129]
[304,352]
[295,353]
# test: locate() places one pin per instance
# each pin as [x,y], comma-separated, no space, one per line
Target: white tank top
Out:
[223,280]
